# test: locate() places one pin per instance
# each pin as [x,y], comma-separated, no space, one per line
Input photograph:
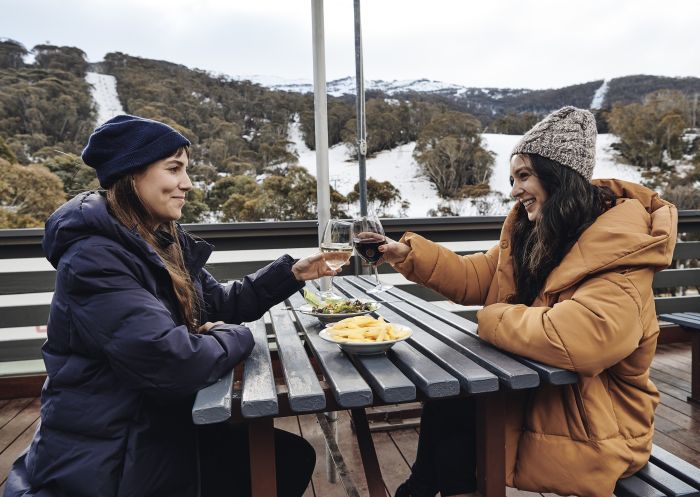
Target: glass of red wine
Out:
[336,247]
[368,236]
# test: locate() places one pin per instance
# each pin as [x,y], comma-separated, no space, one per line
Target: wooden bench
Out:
[690,321]
[664,476]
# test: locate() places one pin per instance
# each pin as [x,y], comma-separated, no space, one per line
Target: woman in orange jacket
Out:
[569,284]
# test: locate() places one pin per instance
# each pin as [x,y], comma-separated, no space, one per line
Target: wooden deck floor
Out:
[677,430]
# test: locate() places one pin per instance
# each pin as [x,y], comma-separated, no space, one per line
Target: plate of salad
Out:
[332,310]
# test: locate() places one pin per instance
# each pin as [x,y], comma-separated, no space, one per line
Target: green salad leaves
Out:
[340,306]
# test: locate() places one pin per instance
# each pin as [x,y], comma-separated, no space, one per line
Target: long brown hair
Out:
[572,205]
[126,206]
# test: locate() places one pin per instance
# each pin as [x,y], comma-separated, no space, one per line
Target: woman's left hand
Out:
[311,268]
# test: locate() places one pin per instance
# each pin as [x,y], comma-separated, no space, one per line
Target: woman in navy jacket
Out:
[136,328]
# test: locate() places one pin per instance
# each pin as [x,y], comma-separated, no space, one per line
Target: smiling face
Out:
[163,186]
[527,187]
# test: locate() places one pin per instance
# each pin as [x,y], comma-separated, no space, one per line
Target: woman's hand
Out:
[393,252]
[208,326]
[311,268]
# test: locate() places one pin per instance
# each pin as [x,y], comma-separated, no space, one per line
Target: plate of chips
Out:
[365,335]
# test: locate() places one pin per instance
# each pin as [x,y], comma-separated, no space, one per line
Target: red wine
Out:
[368,248]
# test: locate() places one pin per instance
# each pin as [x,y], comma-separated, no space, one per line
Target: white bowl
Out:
[365,348]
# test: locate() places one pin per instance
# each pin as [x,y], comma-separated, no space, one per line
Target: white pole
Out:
[323,194]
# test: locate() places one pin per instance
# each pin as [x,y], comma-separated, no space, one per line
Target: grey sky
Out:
[530,44]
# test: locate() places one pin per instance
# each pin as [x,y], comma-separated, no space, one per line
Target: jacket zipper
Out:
[582,410]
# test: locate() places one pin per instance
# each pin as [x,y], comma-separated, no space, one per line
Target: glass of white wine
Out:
[336,247]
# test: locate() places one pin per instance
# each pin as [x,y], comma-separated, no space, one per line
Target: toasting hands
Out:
[393,252]
[311,268]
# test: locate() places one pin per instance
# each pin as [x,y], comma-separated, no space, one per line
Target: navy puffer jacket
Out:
[122,368]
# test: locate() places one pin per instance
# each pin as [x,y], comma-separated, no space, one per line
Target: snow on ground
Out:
[400,168]
[396,166]
[599,96]
[607,167]
[104,93]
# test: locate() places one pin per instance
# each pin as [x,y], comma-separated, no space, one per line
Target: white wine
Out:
[336,254]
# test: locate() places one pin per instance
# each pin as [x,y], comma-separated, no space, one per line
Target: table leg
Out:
[491,444]
[373,473]
[261,441]
[695,368]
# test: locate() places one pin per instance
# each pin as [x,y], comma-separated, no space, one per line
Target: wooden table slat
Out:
[305,392]
[213,403]
[348,387]
[428,377]
[387,380]
[513,374]
[258,392]
[549,374]
[688,319]
[472,377]
[390,384]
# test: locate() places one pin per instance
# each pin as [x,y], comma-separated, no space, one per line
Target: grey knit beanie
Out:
[567,136]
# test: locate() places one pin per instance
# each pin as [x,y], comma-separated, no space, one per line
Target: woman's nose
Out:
[515,191]
[186,183]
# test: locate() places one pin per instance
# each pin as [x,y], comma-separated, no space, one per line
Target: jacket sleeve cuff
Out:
[278,280]
[489,319]
[420,261]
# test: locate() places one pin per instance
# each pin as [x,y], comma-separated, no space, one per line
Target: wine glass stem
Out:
[330,287]
[376,274]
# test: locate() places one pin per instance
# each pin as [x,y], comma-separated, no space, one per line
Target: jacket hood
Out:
[639,231]
[86,215]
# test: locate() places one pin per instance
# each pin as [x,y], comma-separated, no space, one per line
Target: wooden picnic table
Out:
[306,374]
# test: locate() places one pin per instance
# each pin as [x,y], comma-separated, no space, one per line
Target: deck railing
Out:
[27,279]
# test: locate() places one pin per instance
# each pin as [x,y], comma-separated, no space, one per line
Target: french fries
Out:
[365,329]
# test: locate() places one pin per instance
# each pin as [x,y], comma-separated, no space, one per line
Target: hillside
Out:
[233,121]
[249,135]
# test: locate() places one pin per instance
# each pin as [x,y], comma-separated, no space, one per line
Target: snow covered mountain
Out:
[346,86]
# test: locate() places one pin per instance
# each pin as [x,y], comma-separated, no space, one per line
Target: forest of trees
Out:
[660,136]
[241,162]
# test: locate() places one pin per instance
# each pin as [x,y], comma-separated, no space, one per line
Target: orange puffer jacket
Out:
[595,316]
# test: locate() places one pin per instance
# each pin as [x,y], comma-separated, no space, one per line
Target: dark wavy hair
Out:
[571,206]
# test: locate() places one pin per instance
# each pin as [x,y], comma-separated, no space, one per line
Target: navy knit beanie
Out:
[126,143]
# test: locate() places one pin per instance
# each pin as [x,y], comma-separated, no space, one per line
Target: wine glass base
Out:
[330,295]
[380,288]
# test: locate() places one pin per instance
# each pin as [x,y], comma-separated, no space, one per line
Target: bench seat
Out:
[666,475]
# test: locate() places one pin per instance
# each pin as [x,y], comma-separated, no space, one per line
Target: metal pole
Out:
[331,470]
[323,194]
[361,126]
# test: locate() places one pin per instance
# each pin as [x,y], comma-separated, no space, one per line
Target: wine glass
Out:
[368,236]
[336,247]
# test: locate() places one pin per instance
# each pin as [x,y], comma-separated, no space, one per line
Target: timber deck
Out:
[677,430]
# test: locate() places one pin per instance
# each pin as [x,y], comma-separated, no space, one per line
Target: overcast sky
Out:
[492,43]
